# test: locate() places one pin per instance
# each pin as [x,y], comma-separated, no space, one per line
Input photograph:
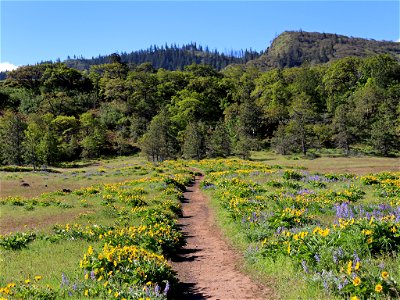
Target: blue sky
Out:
[32,31]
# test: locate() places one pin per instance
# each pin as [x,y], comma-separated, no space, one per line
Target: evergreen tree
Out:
[194,144]
[12,127]
[343,127]
[218,144]
[159,142]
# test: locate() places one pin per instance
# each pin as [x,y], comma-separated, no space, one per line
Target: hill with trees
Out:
[52,113]
[171,57]
[293,48]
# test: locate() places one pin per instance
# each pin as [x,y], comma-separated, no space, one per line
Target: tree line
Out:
[51,113]
[171,57]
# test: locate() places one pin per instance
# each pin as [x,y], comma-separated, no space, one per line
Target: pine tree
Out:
[159,142]
[12,126]
[193,145]
[219,145]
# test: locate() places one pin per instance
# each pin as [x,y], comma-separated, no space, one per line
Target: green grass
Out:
[282,272]
[327,164]
[120,179]
[51,259]
[43,258]
[278,275]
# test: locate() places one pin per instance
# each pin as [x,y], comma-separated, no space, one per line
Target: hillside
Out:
[293,48]
[171,57]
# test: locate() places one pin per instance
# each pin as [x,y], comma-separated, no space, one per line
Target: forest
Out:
[52,113]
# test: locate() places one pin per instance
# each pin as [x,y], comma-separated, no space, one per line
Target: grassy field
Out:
[315,235]
[283,213]
[125,217]
[328,164]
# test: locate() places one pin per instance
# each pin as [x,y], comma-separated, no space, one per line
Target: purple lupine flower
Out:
[317,258]
[326,286]
[64,280]
[157,290]
[304,265]
[253,218]
[92,275]
[74,287]
[382,265]
[335,258]
[166,288]
[344,211]
[305,192]
[356,258]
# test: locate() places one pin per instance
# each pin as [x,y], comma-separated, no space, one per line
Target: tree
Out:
[244,144]
[343,127]
[194,143]
[12,127]
[159,142]
[340,80]
[93,135]
[272,95]
[66,129]
[31,145]
[59,77]
[383,131]
[218,144]
[29,77]
[366,102]
[302,117]
[281,140]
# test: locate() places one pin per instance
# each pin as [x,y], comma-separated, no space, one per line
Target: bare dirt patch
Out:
[207,267]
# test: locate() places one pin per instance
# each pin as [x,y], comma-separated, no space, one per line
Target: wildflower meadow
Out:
[317,235]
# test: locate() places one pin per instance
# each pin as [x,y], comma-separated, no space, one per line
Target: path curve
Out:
[207,266]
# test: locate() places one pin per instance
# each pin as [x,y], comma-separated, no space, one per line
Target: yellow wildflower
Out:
[378,288]
[86,293]
[385,275]
[354,298]
[357,266]
[349,267]
[356,281]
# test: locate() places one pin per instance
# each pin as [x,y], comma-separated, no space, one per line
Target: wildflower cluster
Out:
[319,221]
[140,232]
[16,241]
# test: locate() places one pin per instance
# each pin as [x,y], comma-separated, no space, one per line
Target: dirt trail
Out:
[207,266]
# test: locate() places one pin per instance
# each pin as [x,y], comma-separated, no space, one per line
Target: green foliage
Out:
[194,141]
[12,126]
[16,241]
[159,142]
[116,108]
[329,236]
[218,143]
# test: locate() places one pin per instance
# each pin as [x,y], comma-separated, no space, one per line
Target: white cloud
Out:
[6,66]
